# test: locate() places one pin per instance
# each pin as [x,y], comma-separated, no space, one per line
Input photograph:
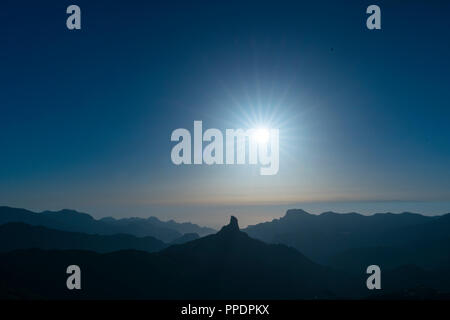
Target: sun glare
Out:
[261,135]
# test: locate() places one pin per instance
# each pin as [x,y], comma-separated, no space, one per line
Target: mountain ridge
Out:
[18,235]
[312,234]
[74,221]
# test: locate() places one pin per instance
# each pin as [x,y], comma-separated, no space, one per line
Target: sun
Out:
[261,135]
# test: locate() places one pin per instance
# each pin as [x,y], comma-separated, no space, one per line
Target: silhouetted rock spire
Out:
[232,227]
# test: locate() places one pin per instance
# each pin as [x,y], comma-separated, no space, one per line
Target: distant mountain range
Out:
[153,222]
[17,235]
[73,221]
[329,237]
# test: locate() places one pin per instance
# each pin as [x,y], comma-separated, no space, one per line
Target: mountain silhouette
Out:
[182,228]
[412,250]
[15,236]
[73,221]
[225,265]
[313,234]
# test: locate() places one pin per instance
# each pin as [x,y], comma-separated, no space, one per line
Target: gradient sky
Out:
[86,116]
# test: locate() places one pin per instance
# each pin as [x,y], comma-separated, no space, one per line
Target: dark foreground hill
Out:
[228,264]
[15,236]
[73,221]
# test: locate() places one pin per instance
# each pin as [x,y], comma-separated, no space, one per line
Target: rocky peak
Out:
[232,227]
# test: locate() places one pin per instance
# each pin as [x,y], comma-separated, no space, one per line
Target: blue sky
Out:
[86,116]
